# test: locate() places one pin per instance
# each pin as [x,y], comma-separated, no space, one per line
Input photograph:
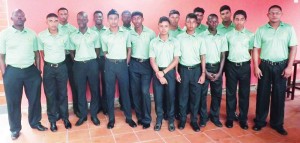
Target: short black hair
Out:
[98,11]
[51,15]
[199,9]
[241,12]
[163,19]
[225,7]
[275,6]
[137,13]
[212,15]
[62,8]
[191,15]
[126,11]
[173,11]
[112,12]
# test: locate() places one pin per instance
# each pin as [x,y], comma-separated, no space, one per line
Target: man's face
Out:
[239,20]
[126,18]
[82,20]
[212,22]
[163,27]
[137,21]
[63,15]
[225,15]
[191,24]
[113,20]
[98,18]
[174,19]
[52,23]
[18,18]
[274,14]
[199,17]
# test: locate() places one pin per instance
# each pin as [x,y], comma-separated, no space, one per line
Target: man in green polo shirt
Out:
[115,43]
[200,14]
[100,28]
[238,70]
[175,29]
[126,19]
[52,45]
[227,24]
[277,42]
[18,54]
[164,54]
[190,72]
[85,45]
[216,44]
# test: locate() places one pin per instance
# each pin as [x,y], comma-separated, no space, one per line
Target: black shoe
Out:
[131,123]
[80,121]
[257,127]
[110,124]
[195,126]
[280,130]
[229,123]
[202,123]
[157,127]
[105,112]
[181,125]
[236,116]
[171,127]
[217,123]
[165,116]
[15,135]
[177,116]
[244,125]
[40,127]
[145,126]
[53,126]
[67,124]
[95,121]
[140,122]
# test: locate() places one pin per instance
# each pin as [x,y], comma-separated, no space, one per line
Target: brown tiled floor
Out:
[122,133]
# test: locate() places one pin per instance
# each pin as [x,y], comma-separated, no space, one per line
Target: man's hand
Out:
[159,74]
[257,72]
[178,78]
[209,75]
[163,80]
[202,79]
[287,72]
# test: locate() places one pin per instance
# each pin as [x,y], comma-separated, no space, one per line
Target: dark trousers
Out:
[55,80]
[216,95]
[69,63]
[189,90]
[237,74]
[117,71]
[15,79]
[102,99]
[274,84]
[167,90]
[140,79]
[87,72]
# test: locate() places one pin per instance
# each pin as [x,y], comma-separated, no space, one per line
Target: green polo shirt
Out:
[164,51]
[239,44]
[223,30]
[54,46]
[201,28]
[85,44]
[274,43]
[116,44]
[191,47]
[140,43]
[100,32]
[128,28]
[67,28]
[174,33]
[215,45]
[18,46]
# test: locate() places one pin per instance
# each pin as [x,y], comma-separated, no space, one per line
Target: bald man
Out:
[20,68]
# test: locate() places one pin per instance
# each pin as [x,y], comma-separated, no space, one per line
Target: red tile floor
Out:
[122,133]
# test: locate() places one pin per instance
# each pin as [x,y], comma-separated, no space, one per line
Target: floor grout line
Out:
[160,136]
[67,136]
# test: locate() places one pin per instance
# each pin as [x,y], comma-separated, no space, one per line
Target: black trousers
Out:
[216,95]
[102,99]
[189,90]
[55,80]
[15,79]
[237,74]
[87,72]
[274,84]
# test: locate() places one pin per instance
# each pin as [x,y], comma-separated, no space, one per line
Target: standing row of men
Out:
[187,60]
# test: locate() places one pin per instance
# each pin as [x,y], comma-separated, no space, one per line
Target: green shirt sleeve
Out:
[251,41]
[67,43]
[97,41]
[293,37]
[177,51]
[257,39]
[202,46]
[2,43]
[224,44]
[40,43]
[151,49]
[103,44]
[72,44]
[128,42]
[35,44]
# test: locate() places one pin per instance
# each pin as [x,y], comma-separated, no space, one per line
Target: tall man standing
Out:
[227,24]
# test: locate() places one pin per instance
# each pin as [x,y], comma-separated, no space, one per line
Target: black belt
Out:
[190,67]
[85,61]
[21,68]
[274,63]
[239,64]
[54,65]
[213,64]
[116,60]
[140,60]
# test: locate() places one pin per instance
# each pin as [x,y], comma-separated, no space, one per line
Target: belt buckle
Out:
[189,68]
[238,64]
[54,65]
[140,60]
[212,65]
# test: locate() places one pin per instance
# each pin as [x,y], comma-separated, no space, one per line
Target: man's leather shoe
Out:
[195,126]
[181,125]
[110,124]
[171,127]
[80,121]
[257,127]
[229,123]
[202,123]
[157,127]
[145,126]
[131,123]
[95,121]
[140,122]
[15,135]
[244,125]
[53,126]
[40,127]
[217,123]
[67,124]
[280,130]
